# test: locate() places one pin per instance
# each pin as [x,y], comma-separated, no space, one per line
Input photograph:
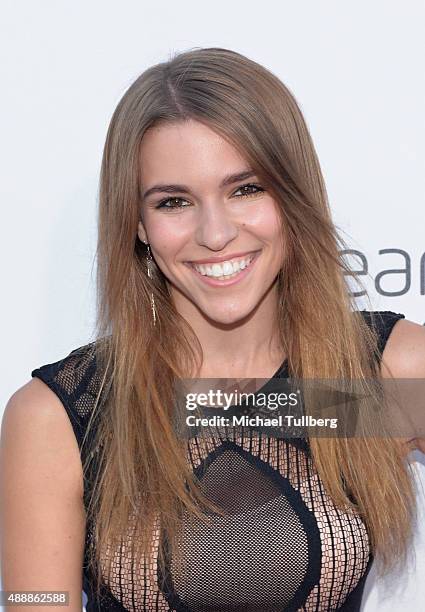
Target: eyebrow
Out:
[227,180]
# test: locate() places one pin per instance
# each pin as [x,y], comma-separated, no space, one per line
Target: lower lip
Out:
[213,282]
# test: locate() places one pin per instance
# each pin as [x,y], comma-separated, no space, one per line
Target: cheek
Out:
[264,222]
[167,235]
[268,228]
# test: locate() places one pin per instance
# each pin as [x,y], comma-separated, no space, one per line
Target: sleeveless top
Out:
[282,546]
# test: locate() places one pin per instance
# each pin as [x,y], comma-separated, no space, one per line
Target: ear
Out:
[141,232]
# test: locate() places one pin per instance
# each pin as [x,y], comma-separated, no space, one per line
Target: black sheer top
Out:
[282,546]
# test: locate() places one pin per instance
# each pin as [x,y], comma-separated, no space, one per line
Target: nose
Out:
[215,227]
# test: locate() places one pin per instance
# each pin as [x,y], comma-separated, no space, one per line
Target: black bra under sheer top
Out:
[282,545]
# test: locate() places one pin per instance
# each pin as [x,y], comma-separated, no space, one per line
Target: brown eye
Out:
[250,186]
[166,203]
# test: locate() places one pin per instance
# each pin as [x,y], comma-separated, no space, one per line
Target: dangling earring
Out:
[150,266]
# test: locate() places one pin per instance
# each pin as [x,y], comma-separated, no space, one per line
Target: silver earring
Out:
[150,274]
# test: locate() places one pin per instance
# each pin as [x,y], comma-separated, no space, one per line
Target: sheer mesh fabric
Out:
[283,544]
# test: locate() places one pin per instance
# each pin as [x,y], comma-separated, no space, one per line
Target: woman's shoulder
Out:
[75,379]
[402,343]
[43,423]
[382,322]
[42,478]
[403,357]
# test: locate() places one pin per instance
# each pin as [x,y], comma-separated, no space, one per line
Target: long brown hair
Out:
[142,475]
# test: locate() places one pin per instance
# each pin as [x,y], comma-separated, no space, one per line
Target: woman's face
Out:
[216,237]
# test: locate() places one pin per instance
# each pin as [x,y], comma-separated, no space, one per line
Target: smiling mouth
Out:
[225,270]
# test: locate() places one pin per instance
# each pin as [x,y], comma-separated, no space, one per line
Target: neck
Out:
[248,348]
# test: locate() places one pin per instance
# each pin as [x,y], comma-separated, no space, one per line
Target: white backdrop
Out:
[357,71]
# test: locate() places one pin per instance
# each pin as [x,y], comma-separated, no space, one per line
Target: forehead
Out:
[186,149]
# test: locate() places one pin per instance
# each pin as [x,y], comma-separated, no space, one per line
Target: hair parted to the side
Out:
[142,473]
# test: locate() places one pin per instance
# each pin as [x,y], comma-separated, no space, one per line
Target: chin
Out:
[227,317]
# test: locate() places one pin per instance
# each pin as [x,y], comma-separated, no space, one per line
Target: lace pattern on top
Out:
[283,544]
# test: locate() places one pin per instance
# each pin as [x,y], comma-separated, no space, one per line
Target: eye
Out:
[165,203]
[176,202]
[258,189]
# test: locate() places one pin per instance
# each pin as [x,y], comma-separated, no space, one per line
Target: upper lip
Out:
[213,260]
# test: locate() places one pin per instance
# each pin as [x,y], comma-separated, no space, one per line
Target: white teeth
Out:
[217,270]
[226,268]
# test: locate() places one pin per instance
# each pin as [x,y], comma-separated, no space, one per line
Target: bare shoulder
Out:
[35,424]
[41,495]
[404,357]
[404,352]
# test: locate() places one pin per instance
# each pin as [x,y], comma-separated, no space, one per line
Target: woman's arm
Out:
[42,515]
[404,355]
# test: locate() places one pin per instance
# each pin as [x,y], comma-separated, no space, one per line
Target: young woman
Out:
[217,257]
